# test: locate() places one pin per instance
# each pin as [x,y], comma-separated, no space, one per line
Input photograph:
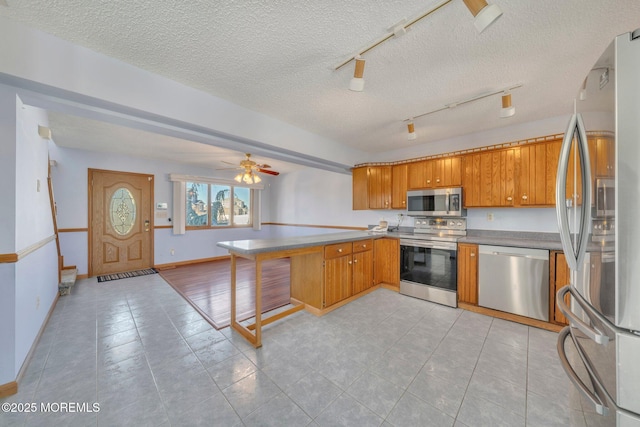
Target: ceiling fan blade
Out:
[268,171]
[229,163]
[265,166]
[226,169]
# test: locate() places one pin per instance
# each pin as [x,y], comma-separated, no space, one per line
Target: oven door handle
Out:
[428,245]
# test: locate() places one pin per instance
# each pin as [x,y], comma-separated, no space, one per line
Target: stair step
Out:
[68,280]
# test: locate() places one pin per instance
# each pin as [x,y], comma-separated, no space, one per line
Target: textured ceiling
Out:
[277,57]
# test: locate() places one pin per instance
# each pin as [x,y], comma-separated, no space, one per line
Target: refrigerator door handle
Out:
[585,222]
[562,211]
[574,255]
[595,400]
[574,320]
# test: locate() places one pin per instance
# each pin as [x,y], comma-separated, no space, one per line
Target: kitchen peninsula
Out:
[327,271]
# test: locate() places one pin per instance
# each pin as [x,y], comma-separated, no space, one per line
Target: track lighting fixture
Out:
[507,110]
[412,132]
[357,82]
[485,14]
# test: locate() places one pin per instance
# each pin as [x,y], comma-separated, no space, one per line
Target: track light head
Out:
[357,82]
[507,110]
[485,14]
[412,132]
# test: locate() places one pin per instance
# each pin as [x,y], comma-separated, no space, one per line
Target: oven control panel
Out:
[431,224]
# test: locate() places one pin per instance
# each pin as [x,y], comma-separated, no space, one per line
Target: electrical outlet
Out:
[37,303]
[490,216]
[38,185]
[173,251]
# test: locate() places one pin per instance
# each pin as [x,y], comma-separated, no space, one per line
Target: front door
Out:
[120,222]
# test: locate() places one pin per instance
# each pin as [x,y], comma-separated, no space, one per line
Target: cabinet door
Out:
[497,177]
[471,180]
[560,278]
[419,175]
[387,261]
[338,275]
[399,187]
[447,172]
[468,273]
[362,271]
[360,187]
[379,187]
[553,155]
[605,157]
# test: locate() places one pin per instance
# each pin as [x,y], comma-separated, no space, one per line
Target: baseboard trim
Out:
[8,389]
[171,265]
[12,387]
[511,317]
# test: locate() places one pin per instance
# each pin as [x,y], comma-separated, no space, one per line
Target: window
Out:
[217,205]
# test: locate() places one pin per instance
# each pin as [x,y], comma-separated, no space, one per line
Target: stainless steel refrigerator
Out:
[598,210]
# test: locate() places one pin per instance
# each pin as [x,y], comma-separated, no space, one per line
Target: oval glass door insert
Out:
[123,211]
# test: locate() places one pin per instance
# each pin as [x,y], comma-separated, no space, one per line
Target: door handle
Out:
[146,225]
[593,334]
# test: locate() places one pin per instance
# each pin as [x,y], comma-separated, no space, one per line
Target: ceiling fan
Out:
[249,168]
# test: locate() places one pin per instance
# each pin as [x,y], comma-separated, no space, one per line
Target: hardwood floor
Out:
[207,287]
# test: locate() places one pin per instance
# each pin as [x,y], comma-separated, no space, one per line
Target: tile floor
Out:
[137,349]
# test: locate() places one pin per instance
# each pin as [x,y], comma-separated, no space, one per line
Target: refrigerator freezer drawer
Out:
[514,280]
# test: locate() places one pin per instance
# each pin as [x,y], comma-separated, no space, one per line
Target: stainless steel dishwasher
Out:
[515,280]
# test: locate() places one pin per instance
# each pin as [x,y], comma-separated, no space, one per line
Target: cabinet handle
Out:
[524,197]
[428,181]
[355,261]
[350,263]
[472,254]
[509,198]
[340,250]
[438,180]
[364,246]
[404,202]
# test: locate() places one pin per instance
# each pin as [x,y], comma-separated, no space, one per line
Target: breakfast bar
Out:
[307,277]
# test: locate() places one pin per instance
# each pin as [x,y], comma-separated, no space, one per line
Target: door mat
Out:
[116,276]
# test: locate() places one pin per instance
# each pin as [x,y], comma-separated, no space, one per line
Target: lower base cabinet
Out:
[348,270]
[387,261]
[560,275]
[468,273]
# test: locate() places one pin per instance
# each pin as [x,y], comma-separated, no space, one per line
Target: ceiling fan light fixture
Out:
[411,136]
[507,109]
[485,14]
[357,82]
[238,177]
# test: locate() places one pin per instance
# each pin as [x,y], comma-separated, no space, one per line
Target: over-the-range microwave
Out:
[435,202]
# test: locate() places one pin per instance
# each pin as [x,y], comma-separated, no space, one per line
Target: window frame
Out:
[209,225]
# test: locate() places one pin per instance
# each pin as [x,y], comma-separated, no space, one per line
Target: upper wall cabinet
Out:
[538,167]
[441,172]
[489,178]
[399,186]
[371,187]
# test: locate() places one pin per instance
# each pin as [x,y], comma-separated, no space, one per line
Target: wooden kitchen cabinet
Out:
[399,186]
[371,187]
[360,188]
[379,187]
[447,172]
[362,265]
[605,156]
[560,275]
[348,270]
[489,178]
[420,175]
[538,166]
[468,273]
[387,261]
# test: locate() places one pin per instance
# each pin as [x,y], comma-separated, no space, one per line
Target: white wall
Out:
[70,190]
[30,285]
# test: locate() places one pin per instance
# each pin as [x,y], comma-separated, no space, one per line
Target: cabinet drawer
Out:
[339,249]
[363,245]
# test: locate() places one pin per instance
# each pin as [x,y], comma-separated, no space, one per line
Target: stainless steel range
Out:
[428,259]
